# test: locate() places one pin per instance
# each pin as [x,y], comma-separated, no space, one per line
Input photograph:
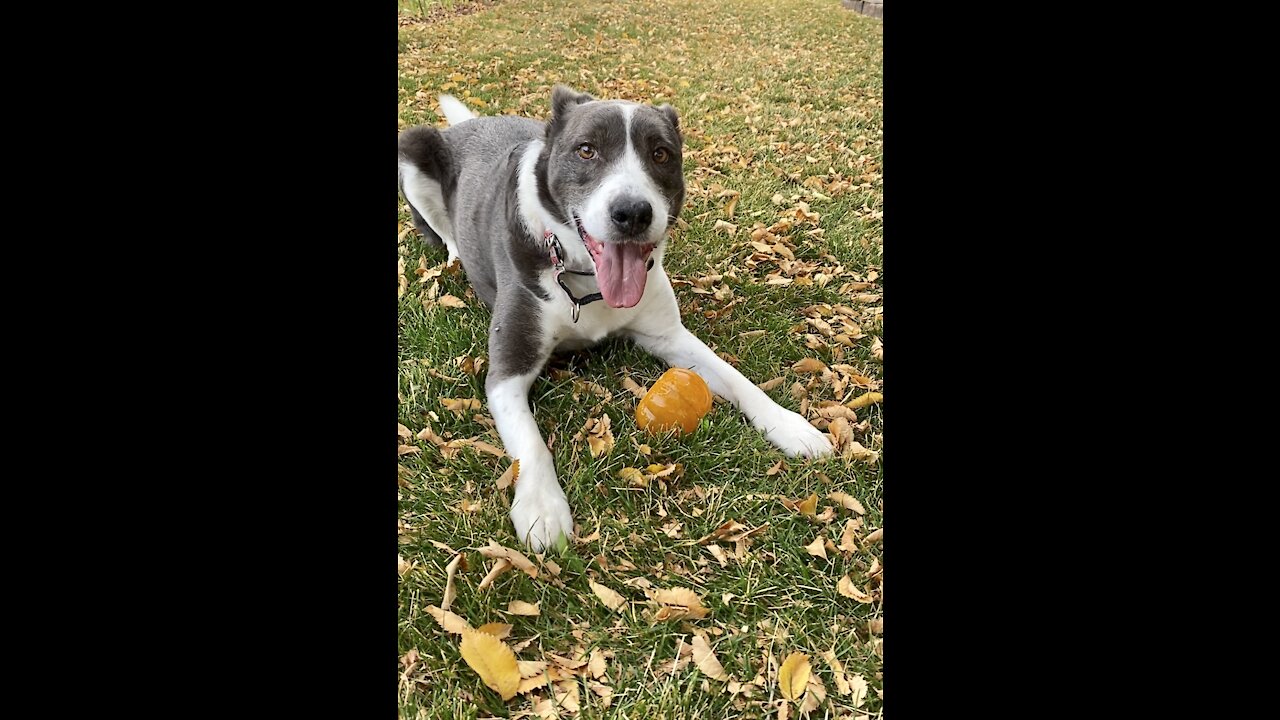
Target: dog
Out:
[561,228]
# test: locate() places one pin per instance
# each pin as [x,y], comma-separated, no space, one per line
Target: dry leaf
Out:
[874,537]
[864,400]
[793,676]
[848,501]
[858,685]
[718,553]
[451,622]
[530,668]
[451,301]
[633,387]
[596,666]
[408,450]
[515,557]
[510,476]
[771,384]
[460,406]
[848,589]
[875,626]
[817,548]
[848,539]
[706,660]
[404,432]
[807,506]
[450,592]
[809,365]
[611,599]
[520,607]
[842,683]
[499,567]
[498,630]
[493,661]
[402,567]
[815,693]
[728,227]
[679,603]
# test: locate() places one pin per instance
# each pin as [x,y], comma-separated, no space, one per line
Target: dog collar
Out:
[557,268]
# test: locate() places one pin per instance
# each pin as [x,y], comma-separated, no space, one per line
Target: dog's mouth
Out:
[621,268]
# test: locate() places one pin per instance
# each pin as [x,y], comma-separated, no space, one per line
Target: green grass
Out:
[719,64]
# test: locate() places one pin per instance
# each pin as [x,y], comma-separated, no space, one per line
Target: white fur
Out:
[454,111]
[426,195]
[628,177]
[539,510]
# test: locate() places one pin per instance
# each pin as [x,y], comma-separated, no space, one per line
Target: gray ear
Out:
[670,113]
[563,98]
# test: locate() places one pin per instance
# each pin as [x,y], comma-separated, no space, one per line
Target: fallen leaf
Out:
[848,589]
[530,668]
[460,406]
[499,567]
[498,630]
[515,557]
[404,432]
[520,607]
[706,660]
[679,603]
[809,365]
[848,501]
[793,676]
[817,548]
[450,592]
[596,666]
[408,450]
[451,622]
[815,693]
[864,400]
[858,686]
[848,539]
[633,387]
[611,599]
[509,477]
[728,227]
[485,447]
[493,661]
[837,670]
[451,301]
[718,553]
[874,537]
[771,384]
[808,506]
[875,626]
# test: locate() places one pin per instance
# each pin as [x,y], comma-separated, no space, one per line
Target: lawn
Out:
[776,263]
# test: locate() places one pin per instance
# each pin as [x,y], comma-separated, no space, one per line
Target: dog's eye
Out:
[660,155]
[586,152]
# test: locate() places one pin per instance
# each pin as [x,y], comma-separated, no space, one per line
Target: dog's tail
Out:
[454,111]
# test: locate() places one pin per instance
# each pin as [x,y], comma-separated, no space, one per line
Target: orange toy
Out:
[679,399]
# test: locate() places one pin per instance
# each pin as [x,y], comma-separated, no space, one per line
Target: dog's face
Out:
[613,170]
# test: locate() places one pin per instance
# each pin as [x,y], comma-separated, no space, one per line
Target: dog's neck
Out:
[538,220]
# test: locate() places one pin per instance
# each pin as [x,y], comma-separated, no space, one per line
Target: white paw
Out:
[794,435]
[540,513]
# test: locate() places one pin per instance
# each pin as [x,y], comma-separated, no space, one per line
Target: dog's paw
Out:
[541,516]
[795,436]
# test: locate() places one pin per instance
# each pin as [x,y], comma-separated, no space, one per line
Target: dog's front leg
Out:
[672,342]
[539,510]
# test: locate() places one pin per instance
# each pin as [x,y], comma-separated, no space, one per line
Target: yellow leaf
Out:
[864,400]
[808,506]
[493,661]
[460,405]
[679,603]
[848,501]
[793,676]
[498,630]
[706,660]
[611,599]
[449,621]
[809,365]
[510,476]
[520,607]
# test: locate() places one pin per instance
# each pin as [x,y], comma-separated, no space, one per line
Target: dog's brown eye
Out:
[660,155]
[586,152]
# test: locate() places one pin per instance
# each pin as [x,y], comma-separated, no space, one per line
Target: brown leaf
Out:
[848,589]
[520,607]
[678,603]
[705,659]
[728,227]
[530,668]
[404,432]
[858,686]
[408,450]
[450,592]
[596,666]
[815,693]
[451,301]
[874,537]
[493,661]
[793,676]
[771,384]
[499,567]
[718,553]
[633,387]
[460,406]
[837,670]
[515,557]
[611,599]
[485,447]
[848,539]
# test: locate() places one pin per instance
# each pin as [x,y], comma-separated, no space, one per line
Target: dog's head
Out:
[613,169]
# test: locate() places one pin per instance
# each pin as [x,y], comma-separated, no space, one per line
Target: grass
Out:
[762,78]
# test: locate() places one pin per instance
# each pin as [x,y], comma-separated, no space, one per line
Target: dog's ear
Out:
[563,98]
[670,113]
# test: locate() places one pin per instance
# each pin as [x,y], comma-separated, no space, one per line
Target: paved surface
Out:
[872,8]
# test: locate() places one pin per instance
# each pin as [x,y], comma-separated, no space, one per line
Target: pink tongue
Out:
[620,273]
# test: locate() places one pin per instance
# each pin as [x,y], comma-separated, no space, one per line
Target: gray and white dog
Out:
[561,228]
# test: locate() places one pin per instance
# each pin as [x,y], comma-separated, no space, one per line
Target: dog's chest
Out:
[596,320]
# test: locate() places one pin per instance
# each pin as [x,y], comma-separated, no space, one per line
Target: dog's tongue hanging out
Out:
[621,272]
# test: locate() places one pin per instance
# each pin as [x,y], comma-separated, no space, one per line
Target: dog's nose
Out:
[631,216]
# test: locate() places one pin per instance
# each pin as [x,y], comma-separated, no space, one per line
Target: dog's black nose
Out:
[631,216]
